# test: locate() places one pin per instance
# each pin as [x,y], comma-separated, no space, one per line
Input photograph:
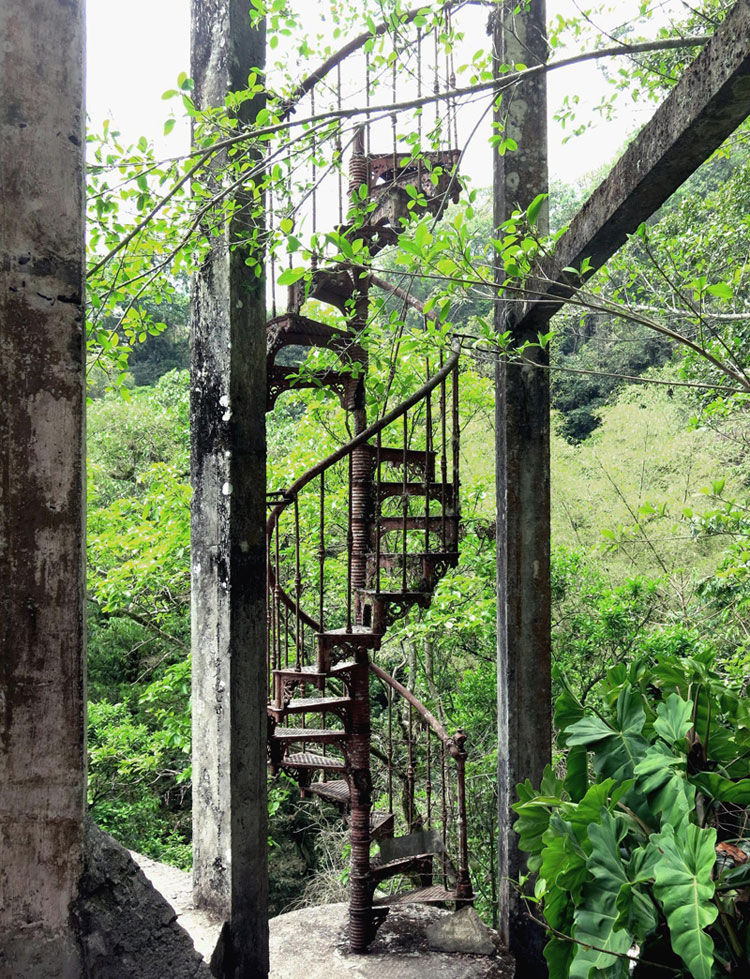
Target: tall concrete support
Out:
[228,536]
[42,743]
[523,493]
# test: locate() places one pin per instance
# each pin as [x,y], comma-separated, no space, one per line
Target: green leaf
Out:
[290,276]
[535,208]
[723,789]
[722,290]
[617,748]
[576,778]
[736,877]
[683,887]
[568,709]
[674,719]
[636,909]
[596,920]
[663,778]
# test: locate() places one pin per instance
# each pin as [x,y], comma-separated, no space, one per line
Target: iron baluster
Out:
[444,827]
[443,458]
[269,614]
[378,508]
[419,114]
[286,637]
[428,786]
[367,101]
[455,445]
[463,883]
[277,597]
[322,549]
[297,587]
[410,770]
[436,85]
[405,501]
[273,254]
[338,147]
[390,750]
[314,150]
[427,453]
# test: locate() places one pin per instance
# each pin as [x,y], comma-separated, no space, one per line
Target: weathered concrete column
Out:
[523,495]
[42,742]
[228,537]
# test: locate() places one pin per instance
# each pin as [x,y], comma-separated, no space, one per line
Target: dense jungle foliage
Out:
[651,591]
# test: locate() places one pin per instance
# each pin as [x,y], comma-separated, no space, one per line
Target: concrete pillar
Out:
[42,742]
[523,494]
[228,537]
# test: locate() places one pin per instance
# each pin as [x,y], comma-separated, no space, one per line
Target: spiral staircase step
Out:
[420,863]
[423,462]
[286,735]
[358,635]
[309,760]
[391,488]
[310,705]
[337,791]
[422,895]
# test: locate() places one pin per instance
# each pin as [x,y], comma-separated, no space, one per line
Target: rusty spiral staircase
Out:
[400,476]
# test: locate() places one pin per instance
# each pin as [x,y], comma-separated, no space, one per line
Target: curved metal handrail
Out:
[342,452]
[419,707]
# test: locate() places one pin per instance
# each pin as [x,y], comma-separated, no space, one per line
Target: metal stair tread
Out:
[422,895]
[308,734]
[396,488]
[414,864]
[311,670]
[308,759]
[312,704]
[453,555]
[418,522]
[395,595]
[362,635]
[395,455]
[336,791]
[378,864]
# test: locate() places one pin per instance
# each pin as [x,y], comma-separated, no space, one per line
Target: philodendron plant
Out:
[639,856]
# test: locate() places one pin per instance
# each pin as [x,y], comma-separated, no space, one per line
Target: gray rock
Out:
[127,929]
[463,931]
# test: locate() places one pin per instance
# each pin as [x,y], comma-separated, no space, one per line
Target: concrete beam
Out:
[42,363]
[228,400]
[705,107]
[523,494]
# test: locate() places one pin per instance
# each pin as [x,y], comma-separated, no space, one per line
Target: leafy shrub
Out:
[641,850]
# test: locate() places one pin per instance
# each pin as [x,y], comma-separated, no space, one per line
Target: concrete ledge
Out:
[311,944]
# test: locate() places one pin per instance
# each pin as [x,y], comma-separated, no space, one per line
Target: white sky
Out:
[136,51]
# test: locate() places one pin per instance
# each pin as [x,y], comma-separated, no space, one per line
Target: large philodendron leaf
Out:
[638,913]
[534,809]
[617,747]
[722,789]
[683,887]
[559,950]
[601,944]
[662,777]
[674,719]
